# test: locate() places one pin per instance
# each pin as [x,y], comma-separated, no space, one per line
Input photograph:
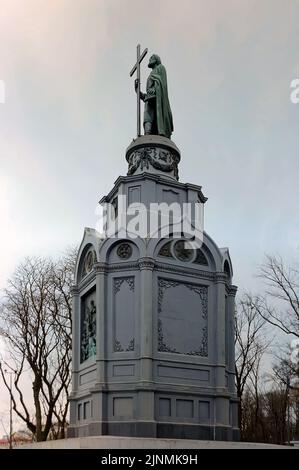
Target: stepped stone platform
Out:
[117,442]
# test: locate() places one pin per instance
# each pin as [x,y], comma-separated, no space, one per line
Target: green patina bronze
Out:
[157,112]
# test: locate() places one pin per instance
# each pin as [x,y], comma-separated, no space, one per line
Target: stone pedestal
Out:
[155,154]
[153,335]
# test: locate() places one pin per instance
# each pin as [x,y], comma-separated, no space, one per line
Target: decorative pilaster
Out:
[219,328]
[101,279]
[146,397]
[231,294]
[75,336]
[146,266]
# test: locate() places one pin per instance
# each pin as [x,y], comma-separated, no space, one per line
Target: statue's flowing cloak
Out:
[164,115]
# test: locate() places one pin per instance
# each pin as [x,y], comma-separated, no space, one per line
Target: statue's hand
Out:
[136,84]
[151,91]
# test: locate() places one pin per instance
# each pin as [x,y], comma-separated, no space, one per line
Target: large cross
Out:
[137,67]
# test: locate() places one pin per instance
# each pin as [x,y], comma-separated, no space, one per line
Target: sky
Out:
[69,114]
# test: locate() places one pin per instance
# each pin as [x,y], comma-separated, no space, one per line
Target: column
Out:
[76,343]
[99,396]
[146,395]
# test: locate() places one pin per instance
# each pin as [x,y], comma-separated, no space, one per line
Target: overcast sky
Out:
[70,106]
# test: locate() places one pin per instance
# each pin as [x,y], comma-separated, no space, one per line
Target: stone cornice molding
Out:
[185,270]
[101,267]
[221,277]
[157,179]
[123,267]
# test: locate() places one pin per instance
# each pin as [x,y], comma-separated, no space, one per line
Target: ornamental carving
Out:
[177,249]
[183,253]
[88,262]
[118,283]
[119,348]
[158,158]
[165,251]
[200,258]
[124,251]
[88,330]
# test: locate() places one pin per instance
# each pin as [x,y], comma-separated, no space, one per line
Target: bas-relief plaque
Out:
[88,326]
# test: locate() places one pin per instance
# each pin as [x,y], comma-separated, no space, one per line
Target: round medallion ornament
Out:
[182,251]
[89,261]
[124,251]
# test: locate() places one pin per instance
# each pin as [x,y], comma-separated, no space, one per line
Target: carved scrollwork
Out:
[119,348]
[165,251]
[162,345]
[118,283]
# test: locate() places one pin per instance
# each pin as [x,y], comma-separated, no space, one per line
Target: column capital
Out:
[232,290]
[146,263]
[74,290]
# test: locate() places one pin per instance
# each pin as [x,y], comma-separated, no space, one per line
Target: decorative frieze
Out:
[158,158]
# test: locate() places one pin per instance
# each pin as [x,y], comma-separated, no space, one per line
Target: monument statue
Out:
[157,113]
[153,316]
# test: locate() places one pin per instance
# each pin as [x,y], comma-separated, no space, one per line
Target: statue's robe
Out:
[157,108]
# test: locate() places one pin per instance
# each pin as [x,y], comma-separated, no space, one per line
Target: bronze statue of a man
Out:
[157,113]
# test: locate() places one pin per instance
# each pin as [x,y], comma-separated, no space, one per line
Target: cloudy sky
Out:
[69,114]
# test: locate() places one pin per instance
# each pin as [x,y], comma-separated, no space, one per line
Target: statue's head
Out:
[154,60]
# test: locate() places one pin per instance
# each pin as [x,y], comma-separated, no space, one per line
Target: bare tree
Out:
[250,345]
[285,375]
[280,308]
[35,322]
[283,287]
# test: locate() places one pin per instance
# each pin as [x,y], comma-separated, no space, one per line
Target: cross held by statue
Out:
[134,69]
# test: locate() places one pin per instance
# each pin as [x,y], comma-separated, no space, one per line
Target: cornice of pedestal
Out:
[158,178]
